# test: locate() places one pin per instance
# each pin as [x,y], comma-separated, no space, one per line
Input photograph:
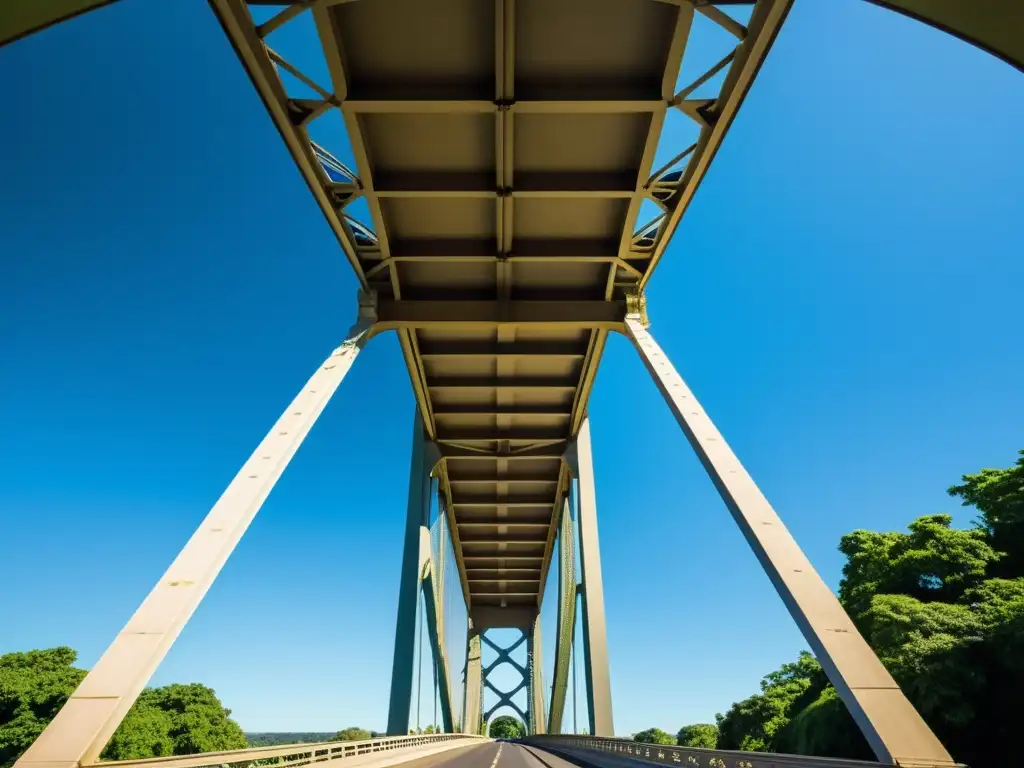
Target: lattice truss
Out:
[337,186]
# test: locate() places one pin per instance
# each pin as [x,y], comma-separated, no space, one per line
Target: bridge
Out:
[504,161]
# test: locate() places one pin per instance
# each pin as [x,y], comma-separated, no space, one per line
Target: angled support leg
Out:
[433,599]
[415,559]
[595,634]
[538,719]
[566,619]
[892,726]
[472,703]
[86,722]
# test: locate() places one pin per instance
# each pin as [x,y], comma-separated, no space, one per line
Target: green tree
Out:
[506,727]
[998,494]
[352,734]
[933,562]
[702,735]
[752,724]
[654,736]
[172,720]
[195,720]
[33,686]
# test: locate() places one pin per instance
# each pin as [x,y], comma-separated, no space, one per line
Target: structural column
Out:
[538,717]
[415,558]
[595,634]
[472,703]
[566,618]
[893,728]
[86,722]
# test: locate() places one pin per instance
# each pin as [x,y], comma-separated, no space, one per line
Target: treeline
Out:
[277,739]
[281,738]
[944,610]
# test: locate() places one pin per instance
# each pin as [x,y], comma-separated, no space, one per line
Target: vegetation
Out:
[654,736]
[944,610]
[352,734]
[506,727]
[172,720]
[281,738]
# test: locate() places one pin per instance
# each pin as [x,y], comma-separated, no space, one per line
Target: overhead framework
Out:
[503,153]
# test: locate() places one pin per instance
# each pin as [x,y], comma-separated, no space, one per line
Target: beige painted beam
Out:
[489,314]
[21,18]
[893,728]
[86,722]
[472,698]
[595,633]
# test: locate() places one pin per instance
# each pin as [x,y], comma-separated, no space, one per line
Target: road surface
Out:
[490,755]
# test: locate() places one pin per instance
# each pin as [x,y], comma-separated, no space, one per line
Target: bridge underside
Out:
[503,152]
[992,25]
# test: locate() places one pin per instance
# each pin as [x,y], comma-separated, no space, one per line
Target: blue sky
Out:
[844,297]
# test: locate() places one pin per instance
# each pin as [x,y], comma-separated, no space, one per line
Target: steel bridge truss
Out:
[504,150]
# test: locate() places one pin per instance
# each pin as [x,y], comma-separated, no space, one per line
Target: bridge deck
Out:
[504,149]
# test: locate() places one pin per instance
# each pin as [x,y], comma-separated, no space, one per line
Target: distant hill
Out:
[278,738]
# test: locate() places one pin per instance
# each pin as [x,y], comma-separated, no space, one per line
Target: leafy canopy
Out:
[352,734]
[701,735]
[172,720]
[654,736]
[506,727]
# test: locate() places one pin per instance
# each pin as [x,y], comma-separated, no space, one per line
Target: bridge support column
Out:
[595,634]
[893,728]
[86,722]
[538,717]
[472,702]
[415,557]
[566,619]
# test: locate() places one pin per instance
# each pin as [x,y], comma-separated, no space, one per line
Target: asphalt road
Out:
[490,755]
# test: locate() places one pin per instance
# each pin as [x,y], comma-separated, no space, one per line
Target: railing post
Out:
[89,718]
[891,725]
[595,634]
[415,555]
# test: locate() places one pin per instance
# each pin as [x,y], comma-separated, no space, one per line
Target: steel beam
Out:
[21,19]
[538,717]
[566,618]
[435,631]
[86,722]
[595,634]
[415,558]
[891,725]
[472,709]
[588,315]
[993,25]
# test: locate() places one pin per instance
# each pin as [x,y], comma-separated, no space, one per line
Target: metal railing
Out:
[693,757]
[291,755]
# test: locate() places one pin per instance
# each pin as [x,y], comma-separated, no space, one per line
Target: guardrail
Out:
[692,757]
[291,755]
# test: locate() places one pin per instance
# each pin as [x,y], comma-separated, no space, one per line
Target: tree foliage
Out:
[702,735]
[33,686]
[998,494]
[944,610]
[506,727]
[172,720]
[654,736]
[352,734]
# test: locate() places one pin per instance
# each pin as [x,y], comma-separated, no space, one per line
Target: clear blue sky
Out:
[844,296]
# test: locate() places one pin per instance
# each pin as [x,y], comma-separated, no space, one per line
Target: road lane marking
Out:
[497,755]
